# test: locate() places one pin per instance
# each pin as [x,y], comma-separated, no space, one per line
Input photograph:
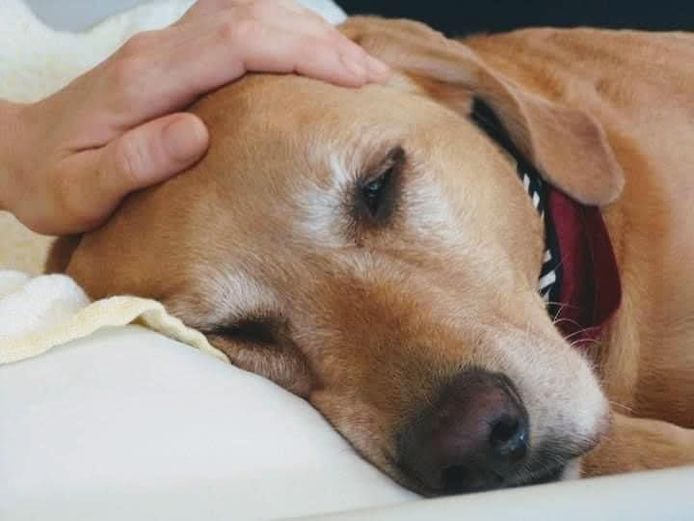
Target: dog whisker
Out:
[621,406]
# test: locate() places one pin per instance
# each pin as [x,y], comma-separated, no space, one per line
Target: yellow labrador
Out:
[426,263]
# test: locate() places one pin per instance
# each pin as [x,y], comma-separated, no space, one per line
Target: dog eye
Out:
[372,192]
[260,331]
[377,192]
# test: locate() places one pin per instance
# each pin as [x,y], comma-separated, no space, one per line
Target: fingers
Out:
[304,49]
[234,36]
[151,153]
[95,181]
[289,38]
[161,71]
[290,41]
[311,47]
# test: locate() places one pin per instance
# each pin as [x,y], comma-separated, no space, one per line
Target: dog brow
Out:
[321,207]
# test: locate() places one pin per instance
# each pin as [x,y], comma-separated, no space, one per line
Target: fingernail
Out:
[185,138]
[377,67]
[356,68]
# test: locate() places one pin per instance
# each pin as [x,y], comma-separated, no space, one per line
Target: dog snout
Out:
[473,437]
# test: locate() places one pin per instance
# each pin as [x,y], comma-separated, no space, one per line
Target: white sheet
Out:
[131,425]
[664,495]
[128,424]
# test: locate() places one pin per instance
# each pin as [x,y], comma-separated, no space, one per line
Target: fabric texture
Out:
[129,425]
[50,310]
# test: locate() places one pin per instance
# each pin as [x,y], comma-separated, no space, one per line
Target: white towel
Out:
[39,313]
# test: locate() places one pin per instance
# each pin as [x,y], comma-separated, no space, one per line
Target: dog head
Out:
[374,252]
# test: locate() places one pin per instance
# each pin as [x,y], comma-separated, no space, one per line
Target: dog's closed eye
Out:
[261,331]
[378,190]
[263,344]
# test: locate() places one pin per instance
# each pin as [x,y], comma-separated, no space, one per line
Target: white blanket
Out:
[35,61]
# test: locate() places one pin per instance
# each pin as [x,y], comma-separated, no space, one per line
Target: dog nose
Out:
[472,438]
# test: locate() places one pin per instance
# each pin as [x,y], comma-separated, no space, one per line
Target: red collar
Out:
[590,290]
[579,277]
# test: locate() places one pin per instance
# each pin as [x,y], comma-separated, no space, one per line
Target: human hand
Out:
[72,157]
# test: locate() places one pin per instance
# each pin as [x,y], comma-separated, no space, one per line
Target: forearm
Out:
[10,139]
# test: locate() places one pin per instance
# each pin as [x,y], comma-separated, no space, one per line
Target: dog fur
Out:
[365,319]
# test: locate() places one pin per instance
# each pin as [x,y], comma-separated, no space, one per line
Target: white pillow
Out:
[128,423]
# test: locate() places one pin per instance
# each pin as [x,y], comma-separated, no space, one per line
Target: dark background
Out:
[460,17]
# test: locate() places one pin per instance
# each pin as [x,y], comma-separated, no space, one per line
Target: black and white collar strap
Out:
[550,273]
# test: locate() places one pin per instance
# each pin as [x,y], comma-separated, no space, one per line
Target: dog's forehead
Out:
[286,153]
[279,141]
[287,136]
[287,118]
[287,150]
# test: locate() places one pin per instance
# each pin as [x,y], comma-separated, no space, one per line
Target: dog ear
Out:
[568,146]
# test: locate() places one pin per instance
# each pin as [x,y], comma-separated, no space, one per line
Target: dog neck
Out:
[578,279]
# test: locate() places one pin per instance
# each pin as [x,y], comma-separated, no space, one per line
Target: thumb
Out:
[151,153]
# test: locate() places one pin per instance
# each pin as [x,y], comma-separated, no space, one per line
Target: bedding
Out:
[128,424]
[47,311]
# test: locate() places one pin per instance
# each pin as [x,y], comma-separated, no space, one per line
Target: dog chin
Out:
[568,472]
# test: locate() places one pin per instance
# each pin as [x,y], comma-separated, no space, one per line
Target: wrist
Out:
[12,123]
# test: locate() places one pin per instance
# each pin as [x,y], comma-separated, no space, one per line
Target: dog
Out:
[384,252]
